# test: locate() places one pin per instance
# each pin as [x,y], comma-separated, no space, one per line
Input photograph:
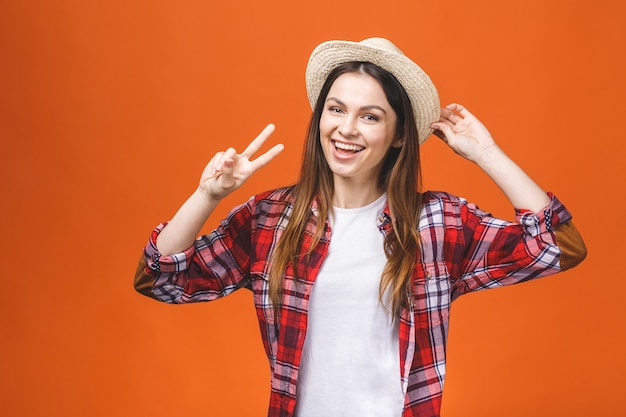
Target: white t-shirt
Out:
[350,362]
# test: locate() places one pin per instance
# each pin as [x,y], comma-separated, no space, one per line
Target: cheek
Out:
[325,125]
[383,138]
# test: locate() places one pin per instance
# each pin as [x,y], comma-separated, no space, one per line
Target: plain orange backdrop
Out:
[110,109]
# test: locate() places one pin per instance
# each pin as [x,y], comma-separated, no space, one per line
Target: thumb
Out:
[442,131]
[228,180]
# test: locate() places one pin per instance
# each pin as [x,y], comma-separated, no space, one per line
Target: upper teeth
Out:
[348,146]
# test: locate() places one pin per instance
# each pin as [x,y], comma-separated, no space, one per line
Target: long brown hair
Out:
[400,177]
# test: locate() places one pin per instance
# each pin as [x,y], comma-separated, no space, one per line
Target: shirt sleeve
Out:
[214,266]
[491,252]
[573,249]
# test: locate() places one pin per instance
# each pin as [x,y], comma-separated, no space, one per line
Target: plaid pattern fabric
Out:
[463,249]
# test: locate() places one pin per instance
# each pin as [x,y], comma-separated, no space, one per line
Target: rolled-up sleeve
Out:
[497,252]
[214,266]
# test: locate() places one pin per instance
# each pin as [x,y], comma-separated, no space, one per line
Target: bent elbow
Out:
[571,244]
[143,282]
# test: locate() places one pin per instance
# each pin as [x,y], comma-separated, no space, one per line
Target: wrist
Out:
[203,200]
[491,155]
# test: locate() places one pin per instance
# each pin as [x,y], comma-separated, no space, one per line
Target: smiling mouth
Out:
[347,147]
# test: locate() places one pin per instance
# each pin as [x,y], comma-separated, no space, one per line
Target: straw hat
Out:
[419,87]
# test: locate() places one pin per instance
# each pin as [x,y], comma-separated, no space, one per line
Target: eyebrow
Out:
[368,107]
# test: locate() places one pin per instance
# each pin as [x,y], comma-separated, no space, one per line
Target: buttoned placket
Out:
[407,317]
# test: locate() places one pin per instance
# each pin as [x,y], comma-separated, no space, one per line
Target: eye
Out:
[334,109]
[371,118]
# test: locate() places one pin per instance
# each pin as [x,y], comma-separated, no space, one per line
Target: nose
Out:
[347,127]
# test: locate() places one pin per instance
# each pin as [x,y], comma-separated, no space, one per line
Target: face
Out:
[357,128]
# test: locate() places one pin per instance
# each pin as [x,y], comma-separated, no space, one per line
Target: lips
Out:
[347,147]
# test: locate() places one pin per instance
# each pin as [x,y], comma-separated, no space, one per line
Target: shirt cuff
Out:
[546,219]
[175,262]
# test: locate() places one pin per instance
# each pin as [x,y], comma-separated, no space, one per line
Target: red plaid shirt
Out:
[463,249]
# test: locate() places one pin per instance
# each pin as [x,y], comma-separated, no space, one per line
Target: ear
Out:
[398,143]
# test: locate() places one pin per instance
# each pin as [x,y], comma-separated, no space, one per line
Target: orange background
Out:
[110,109]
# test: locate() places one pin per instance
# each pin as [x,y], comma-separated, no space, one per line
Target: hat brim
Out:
[418,85]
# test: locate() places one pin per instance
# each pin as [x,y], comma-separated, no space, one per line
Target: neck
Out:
[353,194]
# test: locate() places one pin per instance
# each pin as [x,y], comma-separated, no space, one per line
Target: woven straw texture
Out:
[381,52]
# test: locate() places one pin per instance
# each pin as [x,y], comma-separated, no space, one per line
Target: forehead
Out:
[357,86]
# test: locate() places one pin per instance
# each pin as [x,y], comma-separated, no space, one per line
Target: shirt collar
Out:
[383,218]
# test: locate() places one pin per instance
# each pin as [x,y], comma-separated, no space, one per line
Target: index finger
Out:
[264,159]
[460,109]
[256,144]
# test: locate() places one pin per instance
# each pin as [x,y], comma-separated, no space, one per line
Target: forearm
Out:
[518,187]
[181,231]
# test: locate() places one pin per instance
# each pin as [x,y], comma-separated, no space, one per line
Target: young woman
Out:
[353,270]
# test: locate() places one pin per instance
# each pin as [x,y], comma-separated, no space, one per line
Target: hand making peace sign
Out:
[228,170]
